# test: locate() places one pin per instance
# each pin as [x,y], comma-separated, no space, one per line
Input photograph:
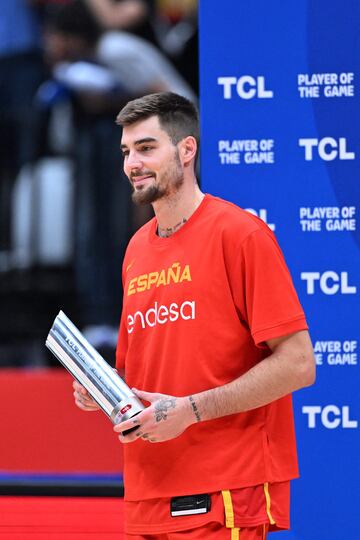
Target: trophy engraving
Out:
[90,369]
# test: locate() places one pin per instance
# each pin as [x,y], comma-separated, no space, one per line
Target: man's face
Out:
[151,161]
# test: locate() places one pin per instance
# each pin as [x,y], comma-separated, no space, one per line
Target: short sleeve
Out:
[264,291]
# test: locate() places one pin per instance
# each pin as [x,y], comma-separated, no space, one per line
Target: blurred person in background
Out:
[169,24]
[101,70]
[117,65]
[177,25]
[21,72]
[79,50]
[135,16]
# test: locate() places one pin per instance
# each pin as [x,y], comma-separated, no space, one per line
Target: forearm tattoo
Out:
[195,409]
[162,407]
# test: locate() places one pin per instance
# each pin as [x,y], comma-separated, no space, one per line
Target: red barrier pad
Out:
[41,518]
[43,431]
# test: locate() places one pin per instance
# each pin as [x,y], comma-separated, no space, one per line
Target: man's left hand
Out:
[165,418]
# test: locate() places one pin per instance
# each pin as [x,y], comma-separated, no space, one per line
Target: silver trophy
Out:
[90,369]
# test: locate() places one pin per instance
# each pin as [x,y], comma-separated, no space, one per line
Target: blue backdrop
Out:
[280,108]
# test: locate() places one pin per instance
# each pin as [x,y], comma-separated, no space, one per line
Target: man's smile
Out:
[140,180]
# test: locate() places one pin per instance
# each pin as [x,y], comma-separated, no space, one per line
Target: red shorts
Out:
[209,530]
[253,509]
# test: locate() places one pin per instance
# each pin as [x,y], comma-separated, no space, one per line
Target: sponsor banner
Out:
[246,151]
[244,87]
[262,213]
[279,107]
[336,352]
[326,148]
[328,282]
[327,218]
[327,85]
[329,417]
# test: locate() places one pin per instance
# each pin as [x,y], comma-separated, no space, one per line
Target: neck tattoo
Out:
[168,231]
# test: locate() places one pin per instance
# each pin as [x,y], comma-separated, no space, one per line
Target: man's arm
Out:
[290,366]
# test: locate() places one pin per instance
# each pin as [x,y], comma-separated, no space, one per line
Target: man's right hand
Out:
[83,400]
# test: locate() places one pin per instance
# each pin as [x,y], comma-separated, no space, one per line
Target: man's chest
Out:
[178,285]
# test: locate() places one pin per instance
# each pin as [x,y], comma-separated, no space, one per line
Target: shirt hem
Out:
[280,524]
[293,475]
[283,328]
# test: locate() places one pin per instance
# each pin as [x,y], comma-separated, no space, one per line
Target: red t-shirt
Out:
[198,307]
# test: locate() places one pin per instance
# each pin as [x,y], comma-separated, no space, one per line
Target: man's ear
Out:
[187,149]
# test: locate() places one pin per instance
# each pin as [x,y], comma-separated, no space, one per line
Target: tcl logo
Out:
[125,409]
[330,416]
[329,282]
[327,148]
[262,214]
[246,87]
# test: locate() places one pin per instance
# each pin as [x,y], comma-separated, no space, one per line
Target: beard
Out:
[169,183]
[147,195]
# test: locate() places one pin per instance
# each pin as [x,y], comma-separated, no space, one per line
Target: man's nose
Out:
[133,161]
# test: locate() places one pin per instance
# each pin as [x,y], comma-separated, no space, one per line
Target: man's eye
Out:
[146,148]
[125,153]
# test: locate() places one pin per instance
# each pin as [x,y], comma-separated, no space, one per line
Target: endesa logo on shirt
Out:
[161,314]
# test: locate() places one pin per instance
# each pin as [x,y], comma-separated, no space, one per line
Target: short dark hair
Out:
[177,115]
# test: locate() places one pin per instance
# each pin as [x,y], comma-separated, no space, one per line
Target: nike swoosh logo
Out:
[130,265]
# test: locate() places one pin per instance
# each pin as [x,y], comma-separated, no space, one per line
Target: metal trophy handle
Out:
[90,369]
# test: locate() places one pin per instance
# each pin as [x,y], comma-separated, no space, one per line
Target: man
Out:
[213,337]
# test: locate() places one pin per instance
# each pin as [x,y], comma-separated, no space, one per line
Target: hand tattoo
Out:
[195,409]
[162,407]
